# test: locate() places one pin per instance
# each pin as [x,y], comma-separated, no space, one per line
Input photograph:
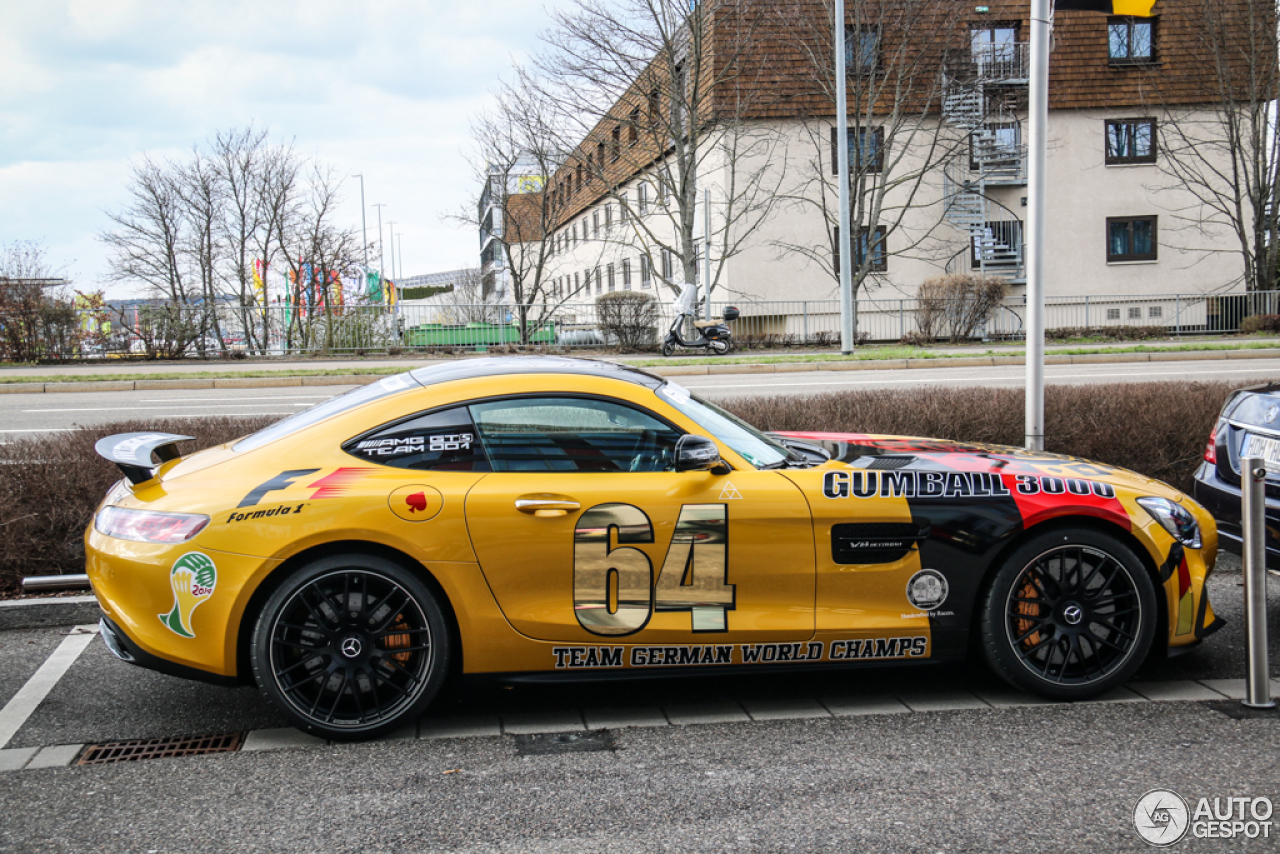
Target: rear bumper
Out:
[123,648]
[1222,499]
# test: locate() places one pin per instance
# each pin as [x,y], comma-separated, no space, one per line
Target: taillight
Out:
[1211,449]
[147,526]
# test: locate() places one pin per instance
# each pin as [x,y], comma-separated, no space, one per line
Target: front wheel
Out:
[351,647]
[1069,615]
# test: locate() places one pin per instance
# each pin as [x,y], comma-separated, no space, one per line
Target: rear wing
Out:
[132,452]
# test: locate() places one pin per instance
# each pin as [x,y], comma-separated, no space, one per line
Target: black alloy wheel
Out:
[1070,615]
[351,647]
[668,347]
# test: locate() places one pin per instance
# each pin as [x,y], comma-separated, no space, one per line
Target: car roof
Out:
[465,369]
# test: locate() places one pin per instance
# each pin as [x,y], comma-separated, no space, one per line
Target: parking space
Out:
[100,698]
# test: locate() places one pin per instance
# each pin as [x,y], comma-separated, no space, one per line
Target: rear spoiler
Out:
[132,452]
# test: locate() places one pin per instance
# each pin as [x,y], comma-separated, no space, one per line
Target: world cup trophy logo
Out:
[193,579]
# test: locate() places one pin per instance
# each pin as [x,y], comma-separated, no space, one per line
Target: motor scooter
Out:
[712,335]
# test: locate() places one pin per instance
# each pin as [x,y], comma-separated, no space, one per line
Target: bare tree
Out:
[1225,148]
[896,60]
[36,316]
[658,99]
[195,228]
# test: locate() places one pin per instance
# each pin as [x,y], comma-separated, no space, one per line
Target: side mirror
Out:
[698,453]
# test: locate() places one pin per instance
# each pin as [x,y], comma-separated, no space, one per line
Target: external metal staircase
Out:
[979,91]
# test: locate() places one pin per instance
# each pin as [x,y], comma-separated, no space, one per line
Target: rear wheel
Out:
[721,346]
[351,647]
[1070,615]
[668,347]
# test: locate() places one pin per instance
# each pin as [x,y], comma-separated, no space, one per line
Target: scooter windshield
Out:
[748,442]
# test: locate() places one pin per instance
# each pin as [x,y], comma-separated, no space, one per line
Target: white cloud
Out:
[383,87]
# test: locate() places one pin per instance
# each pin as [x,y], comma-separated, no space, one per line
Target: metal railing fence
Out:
[162,331]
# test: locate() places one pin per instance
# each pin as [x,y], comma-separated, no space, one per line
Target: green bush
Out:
[1255,323]
[630,318]
[1107,333]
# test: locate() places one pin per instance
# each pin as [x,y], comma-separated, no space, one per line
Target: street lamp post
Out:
[391,238]
[381,262]
[364,230]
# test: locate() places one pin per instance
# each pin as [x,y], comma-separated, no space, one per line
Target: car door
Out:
[584,532]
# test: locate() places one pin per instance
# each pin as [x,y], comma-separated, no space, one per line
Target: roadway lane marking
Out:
[117,409]
[210,399]
[32,694]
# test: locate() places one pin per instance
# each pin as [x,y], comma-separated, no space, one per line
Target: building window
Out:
[861,49]
[994,48]
[1113,314]
[869,239]
[615,147]
[646,271]
[1131,238]
[579,170]
[666,264]
[633,126]
[576,287]
[1135,312]
[996,147]
[654,117]
[609,273]
[1131,140]
[599,281]
[642,198]
[595,223]
[1155,311]
[626,274]
[608,217]
[624,210]
[600,155]
[1131,41]
[866,150]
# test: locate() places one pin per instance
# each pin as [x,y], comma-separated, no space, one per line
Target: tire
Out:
[668,347]
[721,347]
[1071,614]
[351,647]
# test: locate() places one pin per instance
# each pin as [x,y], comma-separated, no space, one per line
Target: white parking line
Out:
[32,694]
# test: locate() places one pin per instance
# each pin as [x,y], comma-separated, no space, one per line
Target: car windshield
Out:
[321,411]
[748,442]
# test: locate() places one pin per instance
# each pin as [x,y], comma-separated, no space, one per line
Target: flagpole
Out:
[1037,147]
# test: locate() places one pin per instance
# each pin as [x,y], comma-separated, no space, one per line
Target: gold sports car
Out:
[539,517]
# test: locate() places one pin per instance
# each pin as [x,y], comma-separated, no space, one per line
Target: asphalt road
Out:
[27,414]
[1025,778]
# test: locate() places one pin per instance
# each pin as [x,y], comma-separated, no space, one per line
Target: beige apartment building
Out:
[941,170]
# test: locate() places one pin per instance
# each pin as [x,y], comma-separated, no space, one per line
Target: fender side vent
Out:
[875,542]
[160,748]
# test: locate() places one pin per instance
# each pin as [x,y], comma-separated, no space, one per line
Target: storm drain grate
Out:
[547,743]
[160,748]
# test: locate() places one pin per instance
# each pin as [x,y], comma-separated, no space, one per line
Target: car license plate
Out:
[1261,446]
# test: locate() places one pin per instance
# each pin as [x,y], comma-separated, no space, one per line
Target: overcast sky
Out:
[379,87]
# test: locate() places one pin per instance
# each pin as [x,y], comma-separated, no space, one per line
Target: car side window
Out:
[437,441]
[572,434]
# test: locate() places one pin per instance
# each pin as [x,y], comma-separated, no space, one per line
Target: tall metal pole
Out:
[400,251]
[842,168]
[706,251]
[381,262]
[1253,477]
[364,230]
[1037,146]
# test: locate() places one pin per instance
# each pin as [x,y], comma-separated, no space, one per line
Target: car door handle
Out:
[546,505]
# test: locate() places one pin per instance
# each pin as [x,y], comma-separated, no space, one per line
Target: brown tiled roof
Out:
[764,67]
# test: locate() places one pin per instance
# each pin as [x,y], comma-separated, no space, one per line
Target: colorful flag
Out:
[1136,8]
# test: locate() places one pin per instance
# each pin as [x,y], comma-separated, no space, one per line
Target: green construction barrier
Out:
[473,335]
